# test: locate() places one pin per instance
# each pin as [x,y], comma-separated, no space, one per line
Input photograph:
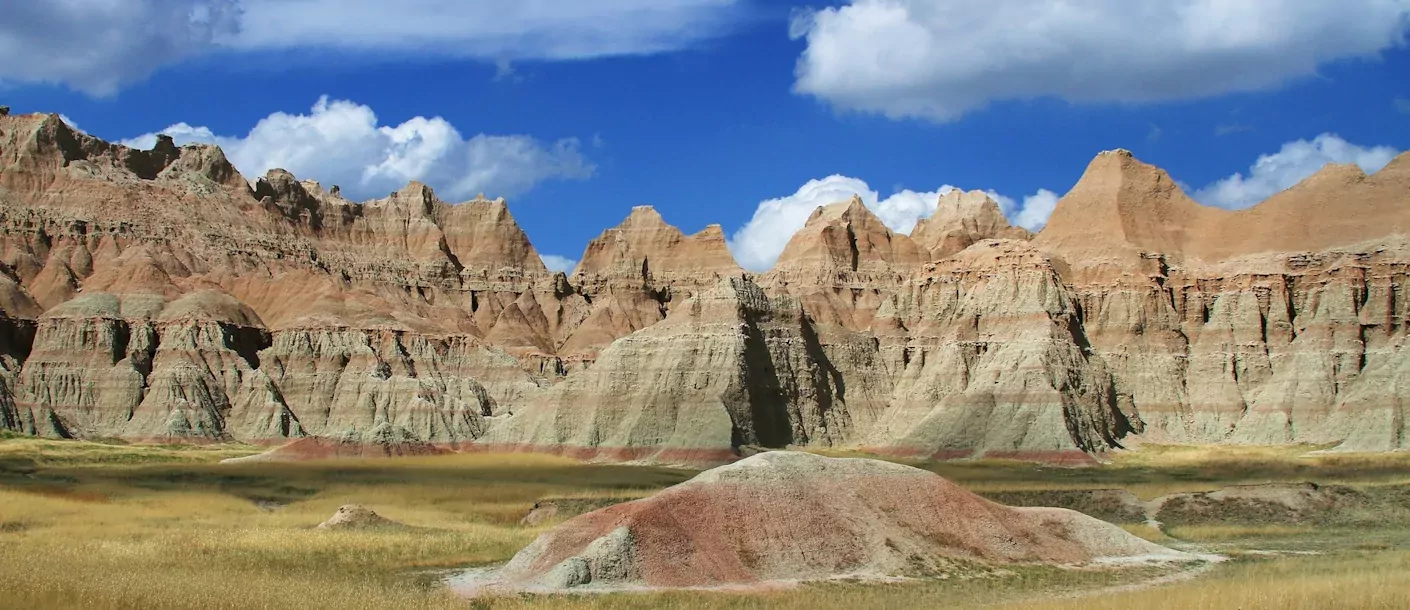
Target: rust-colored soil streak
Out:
[786,516]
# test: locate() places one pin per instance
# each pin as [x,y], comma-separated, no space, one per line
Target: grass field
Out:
[110,525]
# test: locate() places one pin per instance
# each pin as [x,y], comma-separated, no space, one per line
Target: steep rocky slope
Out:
[1282,323]
[159,295]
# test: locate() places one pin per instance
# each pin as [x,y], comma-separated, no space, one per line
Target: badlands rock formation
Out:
[1283,323]
[159,295]
[962,219]
[738,524]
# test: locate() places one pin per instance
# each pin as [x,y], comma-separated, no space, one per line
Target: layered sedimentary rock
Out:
[1282,323]
[257,313]
[159,295]
[632,275]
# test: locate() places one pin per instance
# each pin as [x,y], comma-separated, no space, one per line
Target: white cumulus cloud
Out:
[340,142]
[98,46]
[758,244]
[938,59]
[558,263]
[1279,171]
[1033,214]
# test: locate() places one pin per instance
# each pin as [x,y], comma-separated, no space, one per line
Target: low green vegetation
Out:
[112,525]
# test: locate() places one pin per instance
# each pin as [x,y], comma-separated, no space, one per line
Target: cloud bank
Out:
[939,59]
[340,142]
[99,46]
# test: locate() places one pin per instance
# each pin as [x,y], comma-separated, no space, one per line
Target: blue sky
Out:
[730,111]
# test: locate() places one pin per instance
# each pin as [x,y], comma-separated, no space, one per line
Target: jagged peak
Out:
[644,239]
[712,232]
[1122,162]
[279,174]
[1401,163]
[644,215]
[1122,206]
[207,160]
[1335,173]
[963,204]
[48,143]
[48,138]
[416,193]
[847,235]
[417,189]
[853,210]
[963,218]
[482,199]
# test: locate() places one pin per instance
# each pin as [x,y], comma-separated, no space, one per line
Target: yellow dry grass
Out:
[1221,533]
[1361,581]
[1152,471]
[92,525]
[1147,532]
[59,452]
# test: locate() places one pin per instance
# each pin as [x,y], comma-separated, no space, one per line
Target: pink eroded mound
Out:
[786,516]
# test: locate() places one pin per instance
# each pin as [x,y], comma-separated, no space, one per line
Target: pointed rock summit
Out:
[847,236]
[645,248]
[1121,208]
[486,241]
[962,219]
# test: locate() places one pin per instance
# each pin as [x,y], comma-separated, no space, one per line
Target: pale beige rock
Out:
[1220,326]
[995,364]
[962,219]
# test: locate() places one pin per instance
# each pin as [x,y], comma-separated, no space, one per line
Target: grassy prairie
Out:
[110,525]
[1354,581]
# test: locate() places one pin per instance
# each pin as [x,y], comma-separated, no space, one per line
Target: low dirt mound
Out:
[1112,505]
[785,516]
[565,508]
[1268,503]
[382,441]
[355,517]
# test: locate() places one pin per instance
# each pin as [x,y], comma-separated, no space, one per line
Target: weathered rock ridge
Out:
[159,295]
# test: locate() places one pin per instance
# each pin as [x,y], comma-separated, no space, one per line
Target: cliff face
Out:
[1268,325]
[158,295]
